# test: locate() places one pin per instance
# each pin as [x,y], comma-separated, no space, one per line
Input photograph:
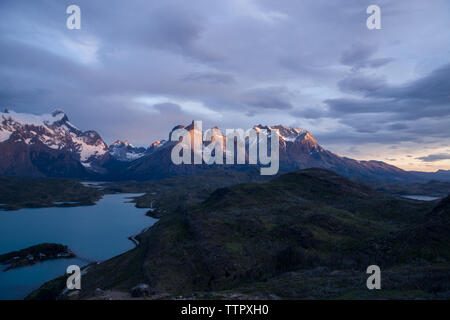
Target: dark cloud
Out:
[268,98]
[435,157]
[349,137]
[167,108]
[432,89]
[343,106]
[357,54]
[360,56]
[210,77]
[308,113]
[360,84]
[233,63]
[397,126]
[425,97]
[362,123]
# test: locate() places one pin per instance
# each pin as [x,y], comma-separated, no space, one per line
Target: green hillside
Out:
[307,234]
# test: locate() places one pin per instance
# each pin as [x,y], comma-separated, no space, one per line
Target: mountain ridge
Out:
[50,146]
[298,150]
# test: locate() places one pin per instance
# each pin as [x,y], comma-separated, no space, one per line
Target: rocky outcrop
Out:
[141,290]
[35,254]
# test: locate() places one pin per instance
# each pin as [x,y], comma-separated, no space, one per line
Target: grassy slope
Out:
[306,234]
[168,194]
[431,188]
[36,193]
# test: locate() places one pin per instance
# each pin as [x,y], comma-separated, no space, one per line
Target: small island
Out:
[35,254]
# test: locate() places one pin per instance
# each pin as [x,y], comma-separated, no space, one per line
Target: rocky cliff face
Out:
[298,150]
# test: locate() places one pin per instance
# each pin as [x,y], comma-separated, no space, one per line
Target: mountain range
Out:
[49,145]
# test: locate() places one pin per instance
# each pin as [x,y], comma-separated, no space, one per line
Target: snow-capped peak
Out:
[120,143]
[125,151]
[31,119]
[288,134]
[52,130]
[157,144]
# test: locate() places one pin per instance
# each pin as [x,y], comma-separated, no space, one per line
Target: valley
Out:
[306,234]
[223,231]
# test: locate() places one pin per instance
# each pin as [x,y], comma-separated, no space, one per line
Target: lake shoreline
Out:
[417,197]
[93,233]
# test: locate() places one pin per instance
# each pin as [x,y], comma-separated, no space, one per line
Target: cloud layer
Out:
[136,69]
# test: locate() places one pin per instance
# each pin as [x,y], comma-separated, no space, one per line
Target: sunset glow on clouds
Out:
[136,69]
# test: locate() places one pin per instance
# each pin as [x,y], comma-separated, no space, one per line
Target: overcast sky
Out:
[138,68]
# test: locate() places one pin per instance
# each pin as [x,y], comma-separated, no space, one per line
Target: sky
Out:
[138,68]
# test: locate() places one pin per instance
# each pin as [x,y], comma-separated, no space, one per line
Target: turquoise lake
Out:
[93,233]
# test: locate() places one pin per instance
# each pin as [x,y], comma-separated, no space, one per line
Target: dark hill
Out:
[248,233]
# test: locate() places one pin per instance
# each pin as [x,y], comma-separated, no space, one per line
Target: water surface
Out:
[93,233]
[420,197]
